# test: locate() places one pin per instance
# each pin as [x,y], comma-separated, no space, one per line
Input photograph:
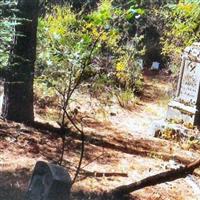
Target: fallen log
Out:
[163,177]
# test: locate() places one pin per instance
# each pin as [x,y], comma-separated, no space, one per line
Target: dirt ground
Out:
[117,140]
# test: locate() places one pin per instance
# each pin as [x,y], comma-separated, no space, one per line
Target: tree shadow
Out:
[93,139]
[11,193]
[13,184]
[82,195]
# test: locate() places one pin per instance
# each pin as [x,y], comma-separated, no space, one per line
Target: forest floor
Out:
[117,141]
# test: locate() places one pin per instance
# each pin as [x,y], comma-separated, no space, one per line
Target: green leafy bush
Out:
[7,23]
[66,39]
[181,29]
[127,99]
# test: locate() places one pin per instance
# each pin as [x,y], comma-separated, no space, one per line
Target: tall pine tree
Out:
[18,87]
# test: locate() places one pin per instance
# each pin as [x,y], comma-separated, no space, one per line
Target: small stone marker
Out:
[155,66]
[186,105]
[49,182]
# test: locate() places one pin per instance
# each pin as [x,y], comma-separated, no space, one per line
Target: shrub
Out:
[75,48]
[181,29]
[7,23]
[127,99]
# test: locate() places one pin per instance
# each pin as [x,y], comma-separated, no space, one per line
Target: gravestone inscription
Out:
[190,83]
[186,105]
[49,182]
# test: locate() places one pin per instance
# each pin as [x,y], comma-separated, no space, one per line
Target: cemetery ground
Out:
[117,141]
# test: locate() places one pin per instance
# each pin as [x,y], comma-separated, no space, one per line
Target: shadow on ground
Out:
[13,184]
[81,195]
[11,193]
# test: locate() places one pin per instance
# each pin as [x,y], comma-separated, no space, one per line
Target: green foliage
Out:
[7,23]
[73,48]
[62,48]
[182,28]
[127,99]
[128,70]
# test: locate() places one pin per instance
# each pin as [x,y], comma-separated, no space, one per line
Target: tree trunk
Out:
[163,177]
[18,87]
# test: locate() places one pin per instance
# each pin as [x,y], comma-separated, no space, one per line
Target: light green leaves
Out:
[7,24]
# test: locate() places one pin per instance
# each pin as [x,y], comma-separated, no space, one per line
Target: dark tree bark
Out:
[18,88]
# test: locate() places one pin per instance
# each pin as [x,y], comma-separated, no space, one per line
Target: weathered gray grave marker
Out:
[186,105]
[49,182]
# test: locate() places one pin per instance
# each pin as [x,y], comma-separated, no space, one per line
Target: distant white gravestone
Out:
[155,66]
[186,105]
[49,182]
